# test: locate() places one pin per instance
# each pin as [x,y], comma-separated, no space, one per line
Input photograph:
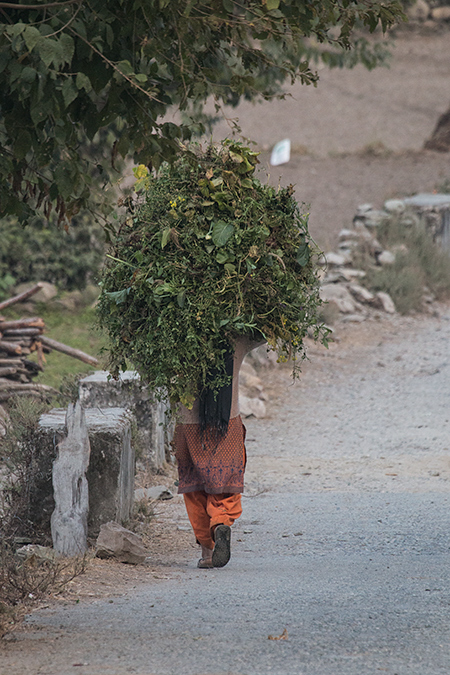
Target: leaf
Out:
[222,257]
[69,91]
[247,183]
[181,298]
[272,4]
[31,36]
[303,253]
[221,232]
[83,82]
[118,296]
[165,237]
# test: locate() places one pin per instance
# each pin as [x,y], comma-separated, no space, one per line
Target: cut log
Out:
[4,372]
[22,296]
[9,385]
[70,488]
[33,322]
[65,349]
[22,332]
[17,363]
[10,348]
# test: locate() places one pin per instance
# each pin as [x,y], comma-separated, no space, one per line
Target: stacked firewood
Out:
[18,340]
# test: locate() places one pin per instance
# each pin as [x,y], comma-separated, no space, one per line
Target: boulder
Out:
[110,474]
[252,406]
[441,13]
[386,258]
[361,294]
[339,295]
[48,291]
[335,259]
[114,541]
[418,11]
[159,492]
[385,302]
[101,391]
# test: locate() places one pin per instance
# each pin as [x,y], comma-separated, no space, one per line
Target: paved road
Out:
[343,546]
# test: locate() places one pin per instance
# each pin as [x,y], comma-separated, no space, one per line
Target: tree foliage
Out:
[70,69]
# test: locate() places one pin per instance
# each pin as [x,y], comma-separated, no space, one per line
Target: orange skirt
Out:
[209,465]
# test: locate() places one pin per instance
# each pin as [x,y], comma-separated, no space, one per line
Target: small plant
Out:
[419,262]
[25,580]
[22,470]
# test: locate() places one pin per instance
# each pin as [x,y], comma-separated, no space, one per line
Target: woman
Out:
[210,451]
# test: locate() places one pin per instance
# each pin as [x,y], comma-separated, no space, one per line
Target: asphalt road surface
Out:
[342,551]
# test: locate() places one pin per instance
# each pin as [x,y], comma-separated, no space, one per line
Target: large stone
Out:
[441,13]
[48,291]
[418,11]
[252,407]
[110,474]
[338,295]
[361,294]
[386,258]
[70,488]
[114,541]
[386,303]
[101,391]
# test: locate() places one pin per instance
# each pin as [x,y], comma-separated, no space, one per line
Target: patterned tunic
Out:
[214,466]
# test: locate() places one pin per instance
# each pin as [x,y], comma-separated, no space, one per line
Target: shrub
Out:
[43,251]
[419,262]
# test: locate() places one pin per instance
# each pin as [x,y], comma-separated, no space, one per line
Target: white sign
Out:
[281,153]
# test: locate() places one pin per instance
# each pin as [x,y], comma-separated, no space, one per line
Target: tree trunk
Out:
[440,138]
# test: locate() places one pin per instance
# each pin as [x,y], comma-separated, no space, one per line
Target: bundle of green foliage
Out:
[208,254]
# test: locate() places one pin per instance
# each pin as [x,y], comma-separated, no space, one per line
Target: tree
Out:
[69,70]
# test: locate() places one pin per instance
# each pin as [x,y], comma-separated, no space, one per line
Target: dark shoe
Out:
[222,539]
[205,564]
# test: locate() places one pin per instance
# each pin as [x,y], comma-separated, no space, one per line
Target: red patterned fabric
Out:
[210,465]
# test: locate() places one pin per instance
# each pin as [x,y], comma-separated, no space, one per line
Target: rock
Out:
[158,492]
[70,301]
[350,274]
[252,406]
[360,293]
[340,296]
[70,488]
[101,391]
[114,541]
[334,259]
[47,292]
[386,302]
[441,13]
[395,205]
[110,474]
[247,369]
[371,219]
[363,208]
[386,258]
[418,11]
[37,552]
[354,318]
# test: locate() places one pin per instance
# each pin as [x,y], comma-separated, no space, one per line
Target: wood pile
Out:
[18,340]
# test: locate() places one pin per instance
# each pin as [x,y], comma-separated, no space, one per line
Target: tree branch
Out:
[13,5]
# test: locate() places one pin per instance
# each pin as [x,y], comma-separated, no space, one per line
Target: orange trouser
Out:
[206,511]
